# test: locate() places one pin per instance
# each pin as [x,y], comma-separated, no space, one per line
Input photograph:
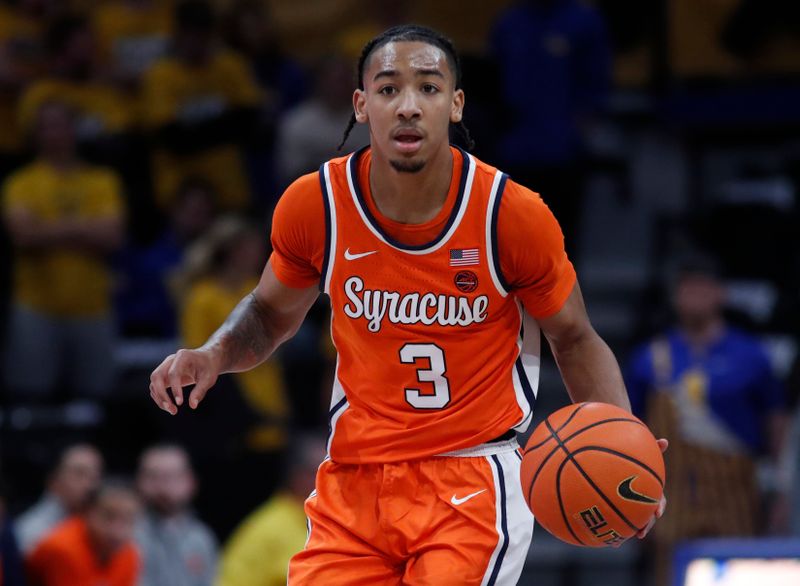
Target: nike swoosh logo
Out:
[626,491]
[460,501]
[350,256]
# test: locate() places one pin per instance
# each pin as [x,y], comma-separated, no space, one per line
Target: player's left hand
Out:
[663,444]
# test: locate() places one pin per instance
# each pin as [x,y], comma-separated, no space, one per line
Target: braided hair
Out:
[411,32]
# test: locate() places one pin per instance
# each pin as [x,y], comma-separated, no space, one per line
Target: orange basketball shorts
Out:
[447,520]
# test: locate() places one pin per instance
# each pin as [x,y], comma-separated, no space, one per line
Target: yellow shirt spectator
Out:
[63,282]
[207,305]
[261,547]
[100,108]
[176,92]
[131,39]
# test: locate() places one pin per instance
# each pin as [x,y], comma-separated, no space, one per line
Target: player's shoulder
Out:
[302,190]
[521,201]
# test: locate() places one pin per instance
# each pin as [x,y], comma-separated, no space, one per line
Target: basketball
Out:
[592,474]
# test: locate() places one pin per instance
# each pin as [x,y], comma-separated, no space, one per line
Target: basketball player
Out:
[441,272]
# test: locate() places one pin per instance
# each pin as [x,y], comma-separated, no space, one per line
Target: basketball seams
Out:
[573,435]
[561,502]
[562,426]
[624,457]
[580,431]
[588,479]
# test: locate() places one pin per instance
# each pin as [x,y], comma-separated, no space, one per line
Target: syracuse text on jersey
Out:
[427,308]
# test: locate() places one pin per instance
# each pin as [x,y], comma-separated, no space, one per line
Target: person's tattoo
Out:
[244,339]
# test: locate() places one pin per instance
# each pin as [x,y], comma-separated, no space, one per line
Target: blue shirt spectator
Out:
[730,378]
[144,303]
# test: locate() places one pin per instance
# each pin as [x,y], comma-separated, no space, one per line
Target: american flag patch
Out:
[463,257]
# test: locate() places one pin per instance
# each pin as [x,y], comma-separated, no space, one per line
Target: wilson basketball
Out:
[593,474]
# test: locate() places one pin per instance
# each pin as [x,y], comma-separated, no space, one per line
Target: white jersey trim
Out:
[339,405]
[333,228]
[525,371]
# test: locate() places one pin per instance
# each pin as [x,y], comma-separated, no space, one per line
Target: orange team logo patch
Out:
[466,281]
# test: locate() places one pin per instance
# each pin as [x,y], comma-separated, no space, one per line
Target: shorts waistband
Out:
[488,449]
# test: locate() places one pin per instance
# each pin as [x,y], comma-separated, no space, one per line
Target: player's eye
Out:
[429,88]
[388,90]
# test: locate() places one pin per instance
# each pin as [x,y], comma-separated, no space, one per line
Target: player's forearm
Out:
[245,340]
[590,370]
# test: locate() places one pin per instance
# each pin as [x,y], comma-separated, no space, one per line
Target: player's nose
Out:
[408,106]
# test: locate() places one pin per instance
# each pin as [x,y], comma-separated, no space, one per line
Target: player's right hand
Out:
[185,367]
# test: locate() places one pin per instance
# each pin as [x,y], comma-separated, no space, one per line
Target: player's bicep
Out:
[285,306]
[569,323]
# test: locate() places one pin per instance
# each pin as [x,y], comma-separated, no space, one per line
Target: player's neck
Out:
[411,198]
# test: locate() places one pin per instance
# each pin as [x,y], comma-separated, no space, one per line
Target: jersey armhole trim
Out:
[330,228]
[492,213]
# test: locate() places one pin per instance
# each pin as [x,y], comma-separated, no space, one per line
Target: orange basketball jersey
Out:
[435,352]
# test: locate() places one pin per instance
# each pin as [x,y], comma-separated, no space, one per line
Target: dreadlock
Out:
[411,32]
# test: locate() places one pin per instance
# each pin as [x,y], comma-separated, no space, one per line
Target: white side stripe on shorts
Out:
[514,522]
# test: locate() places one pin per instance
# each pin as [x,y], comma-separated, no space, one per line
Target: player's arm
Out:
[588,366]
[264,319]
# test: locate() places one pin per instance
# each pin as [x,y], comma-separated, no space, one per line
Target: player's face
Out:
[409,100]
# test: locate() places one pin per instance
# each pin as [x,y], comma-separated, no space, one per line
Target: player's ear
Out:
[457,109]
[359,106]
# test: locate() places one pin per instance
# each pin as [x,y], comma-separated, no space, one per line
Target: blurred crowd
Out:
[144,144]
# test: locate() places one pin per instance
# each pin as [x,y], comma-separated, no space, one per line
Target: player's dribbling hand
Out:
[663,444]
[185,367]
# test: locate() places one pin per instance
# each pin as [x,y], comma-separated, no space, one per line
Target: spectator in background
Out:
[94,548]
[64,218]
[260,549]
[177,549]
[132,35]
[201,105]
[145,307]
[219,270]
[21,60]
[69,488]
[249,30]
[308,134]
[710,389]
[104,117]
[11,569]
[555,66]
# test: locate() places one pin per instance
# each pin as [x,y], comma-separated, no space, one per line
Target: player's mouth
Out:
[407,140]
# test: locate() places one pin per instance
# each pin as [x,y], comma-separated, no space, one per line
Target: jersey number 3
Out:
[409,354]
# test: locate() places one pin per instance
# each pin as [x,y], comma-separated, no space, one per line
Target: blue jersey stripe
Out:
[342,402]
[493,219]
[503,522]
[526,384]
